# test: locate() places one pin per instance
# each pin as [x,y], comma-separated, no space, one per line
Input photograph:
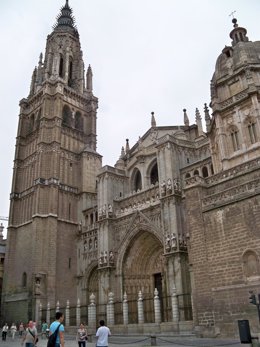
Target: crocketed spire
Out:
[65,20]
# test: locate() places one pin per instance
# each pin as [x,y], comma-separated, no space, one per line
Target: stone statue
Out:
[163,188]
[169,186]
[167,243]
[173,241]
[105,257]
[111,257]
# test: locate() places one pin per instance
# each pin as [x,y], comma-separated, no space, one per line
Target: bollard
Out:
[89,338]
[153,340]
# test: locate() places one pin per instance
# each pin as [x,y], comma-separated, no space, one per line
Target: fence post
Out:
[92,312]
[140,307]
[175,308]
[67,314]
[48,314]
[157,308]
[78,313]
[110,309]
[125,309]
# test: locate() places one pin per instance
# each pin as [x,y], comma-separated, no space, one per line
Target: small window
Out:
[24,280]
[187,175]
[61,66]
[205,171]
[235,140]
[252,132]
[196,173]
[154,174]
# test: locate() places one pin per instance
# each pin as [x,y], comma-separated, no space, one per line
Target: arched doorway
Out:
[143,270]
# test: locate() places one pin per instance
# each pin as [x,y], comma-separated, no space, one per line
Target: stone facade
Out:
[178,215]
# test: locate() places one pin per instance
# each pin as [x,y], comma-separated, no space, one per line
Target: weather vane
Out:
[232,14]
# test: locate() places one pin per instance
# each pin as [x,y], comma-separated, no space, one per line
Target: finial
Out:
[122,152]
[186,118]
[40,58]
[207,117]
[197,113]
[127,148]
[153,122]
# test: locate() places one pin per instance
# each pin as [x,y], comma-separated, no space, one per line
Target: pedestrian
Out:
[21,329]
[82,336]
[30,337]
[57,325]
[4,331]
[102,334]
[44,328]
[13,330]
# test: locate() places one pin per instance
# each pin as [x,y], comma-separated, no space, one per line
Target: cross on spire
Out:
[232,14]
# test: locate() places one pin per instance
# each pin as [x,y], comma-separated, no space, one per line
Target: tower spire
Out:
[186,118]
[65,20]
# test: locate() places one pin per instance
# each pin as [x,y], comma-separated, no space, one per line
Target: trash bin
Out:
[244,331]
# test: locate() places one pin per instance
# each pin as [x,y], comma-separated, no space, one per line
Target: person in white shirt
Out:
[102,334]
[13,330]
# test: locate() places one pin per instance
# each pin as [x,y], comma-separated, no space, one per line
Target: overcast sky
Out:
[146,55]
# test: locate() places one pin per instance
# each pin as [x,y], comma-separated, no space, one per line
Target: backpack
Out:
[52,338]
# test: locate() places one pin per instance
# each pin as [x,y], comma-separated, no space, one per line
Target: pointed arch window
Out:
[70,73]
[205,171]
[252,132]
[61,66]
[235,139]
[66,116]
[137,180]
[154,174]
[78,121]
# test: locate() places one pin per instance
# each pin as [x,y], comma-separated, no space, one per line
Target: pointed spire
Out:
[89,79]
[40,59]
[198,121]
[207,117]
[122,152]
[120,162]
[33,80]
[65,20]
[238,34]
[153,121]
[127,147]
[186,118]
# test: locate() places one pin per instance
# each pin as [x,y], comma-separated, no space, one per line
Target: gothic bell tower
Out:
[54,176]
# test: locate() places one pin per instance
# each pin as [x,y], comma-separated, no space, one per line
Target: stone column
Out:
[48,314]
[92,312]
[110,309]
[40,315]
[175,308]
[140,307]
[67,314]
[125,310]
[78,313]
[157,307]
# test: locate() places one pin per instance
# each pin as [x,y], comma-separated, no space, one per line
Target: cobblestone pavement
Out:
[138,341]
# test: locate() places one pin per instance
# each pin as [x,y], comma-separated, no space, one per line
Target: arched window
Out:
[187,175]
[212,169]
[70,73]
[252,132]
[205,171]
[196,173]
[78,121]
[137,181]
[154,174]
[24,280]
[66,116]
[235,139]
[61,66]
[251,264]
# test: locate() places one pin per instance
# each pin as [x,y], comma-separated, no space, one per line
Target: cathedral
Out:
[177,218]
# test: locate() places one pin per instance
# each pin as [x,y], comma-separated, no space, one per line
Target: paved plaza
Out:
[138,341]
